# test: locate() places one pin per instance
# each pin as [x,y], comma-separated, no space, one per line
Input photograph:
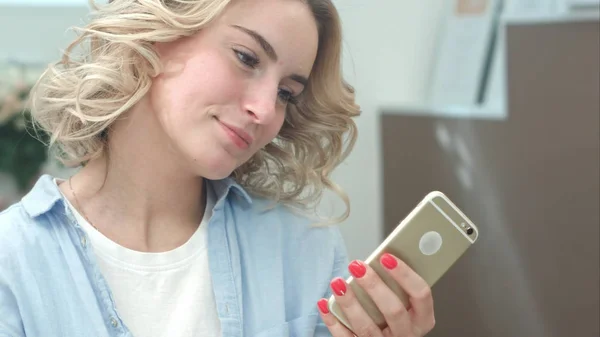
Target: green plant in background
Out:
[23,152]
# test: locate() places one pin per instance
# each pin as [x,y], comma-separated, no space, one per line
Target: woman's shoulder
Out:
[15,228]
[13,221]
[297,233]
[260,213]
[295,221]
[25,226]
[292,233]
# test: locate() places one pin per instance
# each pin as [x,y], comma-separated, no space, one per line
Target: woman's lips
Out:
[238,136]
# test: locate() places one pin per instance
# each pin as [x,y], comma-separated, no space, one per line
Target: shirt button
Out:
[114,322]
[83,241]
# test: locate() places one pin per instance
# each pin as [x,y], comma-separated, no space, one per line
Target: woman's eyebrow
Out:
[266,46]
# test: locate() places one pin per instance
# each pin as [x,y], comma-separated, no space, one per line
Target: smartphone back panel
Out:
[430,240]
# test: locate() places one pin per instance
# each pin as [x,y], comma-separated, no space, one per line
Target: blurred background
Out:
[495,103]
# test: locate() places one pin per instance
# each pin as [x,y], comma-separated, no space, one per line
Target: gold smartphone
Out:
[430,240]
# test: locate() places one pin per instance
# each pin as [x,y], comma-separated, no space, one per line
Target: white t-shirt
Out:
[160,294]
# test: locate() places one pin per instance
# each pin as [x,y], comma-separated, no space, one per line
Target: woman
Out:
[206,129]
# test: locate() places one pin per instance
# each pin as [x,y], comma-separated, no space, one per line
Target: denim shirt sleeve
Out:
[340,264]
[10,319]
[340,269]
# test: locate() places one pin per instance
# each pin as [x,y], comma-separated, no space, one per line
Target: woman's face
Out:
[224,91]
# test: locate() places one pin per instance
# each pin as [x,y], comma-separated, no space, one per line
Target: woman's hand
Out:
[415,322]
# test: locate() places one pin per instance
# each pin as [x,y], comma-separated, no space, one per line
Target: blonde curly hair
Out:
[106,70]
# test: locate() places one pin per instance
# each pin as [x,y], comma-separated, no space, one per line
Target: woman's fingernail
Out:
[389,261]
[357,269]
[322,304]
[338,286]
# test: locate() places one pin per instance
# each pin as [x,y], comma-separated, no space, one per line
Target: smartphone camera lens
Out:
[467,229]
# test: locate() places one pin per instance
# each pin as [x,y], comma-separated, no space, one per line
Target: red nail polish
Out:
[322,304]
[338,286]
[389,261]
[357,269]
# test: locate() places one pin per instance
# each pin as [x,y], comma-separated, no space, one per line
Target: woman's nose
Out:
[261,104]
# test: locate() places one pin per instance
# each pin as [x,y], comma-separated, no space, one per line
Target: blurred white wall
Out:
[37,34]
[389,48]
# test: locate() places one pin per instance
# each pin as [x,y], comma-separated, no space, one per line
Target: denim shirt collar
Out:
[45,194]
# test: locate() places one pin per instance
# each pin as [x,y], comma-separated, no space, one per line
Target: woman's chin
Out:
[213,166]
[216,175]
[218,171]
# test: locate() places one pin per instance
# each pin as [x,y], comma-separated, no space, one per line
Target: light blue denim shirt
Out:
[268,269]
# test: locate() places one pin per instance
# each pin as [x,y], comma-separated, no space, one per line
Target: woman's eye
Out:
[246,58]
[286,96]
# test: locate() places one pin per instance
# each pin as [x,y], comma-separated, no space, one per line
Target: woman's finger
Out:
[394,312]
[358,319]
[336,328]
[416,288]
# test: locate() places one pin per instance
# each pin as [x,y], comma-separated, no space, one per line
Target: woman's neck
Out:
[139,195]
